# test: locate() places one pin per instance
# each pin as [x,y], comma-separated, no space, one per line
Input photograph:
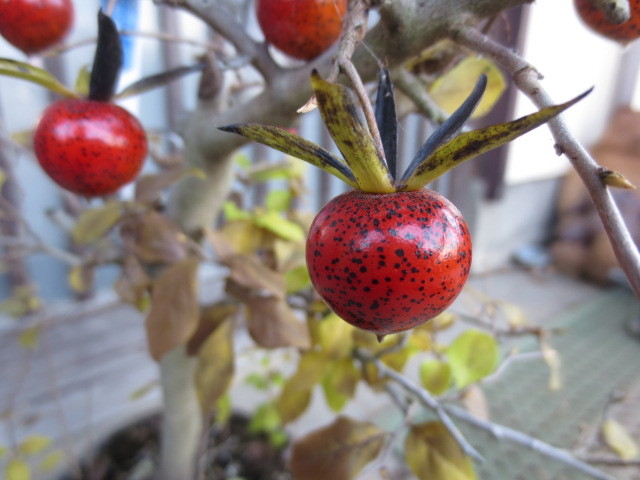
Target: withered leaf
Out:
[175,311]
[338,451]
[273,324]
[433,454]
[215,368]
[155,238]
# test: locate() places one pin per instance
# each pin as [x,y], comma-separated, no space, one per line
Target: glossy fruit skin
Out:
[88,147]
[303,29]
[596,20]
[35,25]
[389,262]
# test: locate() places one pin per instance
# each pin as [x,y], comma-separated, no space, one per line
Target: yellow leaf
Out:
[617,437]
[275,223]
[95,223]
[452,88]
[337,452]
[436,376]
[3,452]
[39,76]
[552,359]
[175,311]
[34,444]
[77,279]
[296,392]
[17,469]
[30,337]
[51,461]
[339,383]
[433,454]
[215,368]
[472,356]
[335,336]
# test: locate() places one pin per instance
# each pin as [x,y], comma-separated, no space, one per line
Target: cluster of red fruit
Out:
[89,146]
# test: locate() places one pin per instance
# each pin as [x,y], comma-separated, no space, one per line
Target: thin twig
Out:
[527,79]
[426,399]
[409,84]
[501,432]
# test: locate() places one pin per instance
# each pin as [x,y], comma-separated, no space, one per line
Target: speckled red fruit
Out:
[302,29]
[88,147]
[35,25]
[595,19]
[389,262]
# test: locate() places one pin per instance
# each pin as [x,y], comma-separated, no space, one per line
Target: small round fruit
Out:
[35,25]
[389,262]
[303,29]
[88,147]
[596,20]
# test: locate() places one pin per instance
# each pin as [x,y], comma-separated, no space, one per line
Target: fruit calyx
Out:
[107,61]
[363,166]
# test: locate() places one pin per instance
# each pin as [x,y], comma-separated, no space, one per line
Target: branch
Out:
[426,399]
[501,432]
[217,16]
[527,79]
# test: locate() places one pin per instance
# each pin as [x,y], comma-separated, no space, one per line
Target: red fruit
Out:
[595,19]
[303,29]
[88,147]
[389,262]
[35,25]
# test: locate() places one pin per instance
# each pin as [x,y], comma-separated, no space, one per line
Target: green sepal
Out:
[25,71]
[296,146]
[476,142]
[341,116]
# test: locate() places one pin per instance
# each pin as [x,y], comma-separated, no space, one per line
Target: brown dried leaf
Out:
[338,451]
[175,311]
[149,187]
[215,368]
[211,317]
[273,324]
[433,454]
[254,277]
[133,284]
[155,238]
[475,401]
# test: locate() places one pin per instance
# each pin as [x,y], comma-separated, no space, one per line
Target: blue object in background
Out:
[125,15]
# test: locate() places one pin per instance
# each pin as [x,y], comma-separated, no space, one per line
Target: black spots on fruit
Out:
[400,252]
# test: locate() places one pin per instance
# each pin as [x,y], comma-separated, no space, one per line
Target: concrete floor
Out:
[90,373]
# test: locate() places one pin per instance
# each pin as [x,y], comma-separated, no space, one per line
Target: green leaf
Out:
[265,419]
[278,200]
[617,437]
[473,143]
[297,279]
[282,227]
[83,78]
[433,454]
[34,444]
[338,451]
[340,114]
[436,376]
[17,469]
[294,145]
[39,76]
[159,80]
[472,356]
[95,223]
[339,384]
[234,213]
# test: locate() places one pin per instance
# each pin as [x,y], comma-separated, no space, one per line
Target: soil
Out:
[232,453]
